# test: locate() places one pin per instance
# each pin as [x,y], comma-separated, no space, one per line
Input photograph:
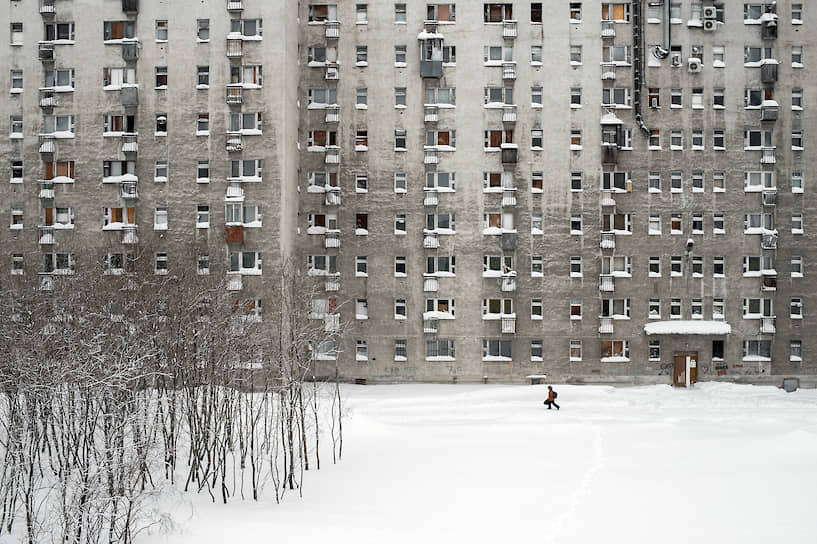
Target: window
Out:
[576,181]
[160,172]
[718,308]
[440,349]
[796,308]
[16,81]
[16,218]
[536,12]
[536,350]
[654,224]
[752,56]
[537,223]
[719,139]
[575,55]
[615,181]
[616,97]
[321,265]
[58,263]
[400,266]
[576,267]
[576,139]
[575,12]
[400,56]
[797,140]
[618,12]
[247,75]
[160,218]
[797,223]
[202,77]
[16,126]
[441,12]
[17,264]
[575,308]
[497,96]
[675,308]
[59,125]
[115,78]
[615,350]
[441,138]
[654,311]
[796,266]
[654,139]
[575,97]
[400,311]
[203,124]
[361,308]
[496,55]
[676,139]
[654,180]
[697,223]
[111,30]
[618,223]
[440,96]
[536,138]
[400,183]
[536,309]
[361,55]
[400,13]
[60,79]
[320,97]
[247,123]
[203,216]
[361,98]
[361,350]
[496,13]
[496,350]
[797,99]
[676,266]
[537,266]
[17,171]
[203,30]
[400,140]
[400,350]
[717,267]
[675,12]
[203,171]
[655,350]
[797,14]
[576,224]
[796,56]
[361,14]
[324,351]
[795,351]
[161,264]
[757,350]
[248,28]
[161,31]
[755,308]
[400,223]
[16,33]
[400,97]
[536,55]
[441,181]
[697,267]
[362,224]
[161,124]
[438,306]
[247,169]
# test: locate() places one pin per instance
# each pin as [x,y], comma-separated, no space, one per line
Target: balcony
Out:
[432,69]
[130,6]
[48,7]
[769,198]
[235,94]
[234,282]
[46,235]
[769,283]
[608,29]
[768,71]
[508,197]
[332,156]
[48,100]
[332,30]
[431,198]
[767,325]
[235,48]
[431,157]
[509,114]
[608,71]
[431,240]
[235,5]
[46,189]
[768,155]
[769,110]
[430,284]
[332,240]
[332,72]
[46,52]
[129,235]
[130,51]
[431,326]
[608,240]
[509,31]
[129,96]
[333,198]
[48,144]
[607,283]
[234,234]
[234,192]
[605,325]
[431,114]
[332,114]
[332,283]
[46,282]
[508,71]
[507,283]
[609,153]
[234,142]
[768,241]
[508,324]
[128,190]
[768,29]
[508,240]
[509,154]
[607,199]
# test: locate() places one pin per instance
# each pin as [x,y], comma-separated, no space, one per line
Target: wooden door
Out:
[679,370]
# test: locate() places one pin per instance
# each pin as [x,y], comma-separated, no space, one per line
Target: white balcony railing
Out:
[768,241]
[235,94]
[48,7]
[129,235]
[768,155]
[508,197]
[509,29]
[332,240]
[509,113]
[431,241]
[332,114]
[608,240]
[235,282]
[46,189]
[46,235]
[48,143]
[508,324]
[235,48]
[333,283]
[130,143]
[235,5]
[431,326]
[608,71]
[235,142]
[607,198]
[608,29]
[332,156]
[332,29]
[333,198]
[430,284]
[606,325]
[509,71]
[508,283]
[767,325]
[431,157]
[607,283]
[128,190]
[431,198]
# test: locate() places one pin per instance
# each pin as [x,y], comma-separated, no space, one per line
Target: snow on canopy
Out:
[688,327]
[610,119]
[429,36]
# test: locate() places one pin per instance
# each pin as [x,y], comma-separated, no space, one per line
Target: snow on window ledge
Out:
[616,359]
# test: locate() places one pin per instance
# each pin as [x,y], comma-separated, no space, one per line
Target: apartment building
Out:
[590,190]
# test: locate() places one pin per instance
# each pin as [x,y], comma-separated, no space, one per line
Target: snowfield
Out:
[488,463]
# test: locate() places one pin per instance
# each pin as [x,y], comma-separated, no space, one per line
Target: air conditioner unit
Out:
[710,25]
[694,65]
[710,12]
[675,59]
[654,102]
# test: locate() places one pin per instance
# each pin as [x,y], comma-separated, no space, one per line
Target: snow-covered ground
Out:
[487,463]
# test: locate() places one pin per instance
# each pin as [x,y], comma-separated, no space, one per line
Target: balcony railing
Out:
[333,198]
[508,283]
[607,198]
[129,96]
[608,240]
[235,142]
[769,111]
[332,240]
[431,326]
[509,113]
[332,114]
[508,197]
[769,283]
[130,143]
[333,283]
[769,198]
[130,51]
[607,283]
[46,52]
[508,324]
[609,153]
[128,190]
[431,240]
[235,48]
[431,157]
[510,155]
[767,325]
[608,29]
[768,241]
[606,325]
[46,235]
[509,30]
[768,155]
[129,235]
[332,29]
[608,71]
[48,7]
[234,282]
[48,99]
[235,94]
[430,284]
[768,72]
[48,143]
[431,198]
[332,156]
[332,72]
[235,5]
[46,282]
[130,6]
[46,190]
[431,114]
[509,71]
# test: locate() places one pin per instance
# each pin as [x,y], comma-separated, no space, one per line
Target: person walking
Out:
[551,400]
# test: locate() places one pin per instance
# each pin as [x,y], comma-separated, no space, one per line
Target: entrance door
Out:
[679,368]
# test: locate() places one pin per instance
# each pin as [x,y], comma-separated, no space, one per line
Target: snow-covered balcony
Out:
[235,94]
[48,99]
[332,30]
[46,189]
[332,71]
[430,283]
[605,325]
[507,283]
[332,114]
[431,197]
[333,197]
[331,323]
[607,199]
[769,197]
[768,241]
[768,155]
[431,157]
[431,326]
[508,197]
[235,5]
[48,7]
[769,110]
[129,235]
[332,156]
[235,48]
[128,190]
[234,142]
[509,113]
[509,30]
[431,240]
[608,240]
[608,71]
[767,325]
[332,283]
[332,240]
[608,29]
[235,282]
[769,281]
[509,71]
[130,142]
[607,283]
[431,113]
[508,323]
[46,282]
[46,235]
[48,143]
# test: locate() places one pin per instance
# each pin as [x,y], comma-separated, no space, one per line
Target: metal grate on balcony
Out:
[509,70]
[235,5]
[767,325]
[235,48]
[235,142]
[332,156]
[332,283]
[48,99]
[431,114]
[332,240]
[235,94]
[508,324]
[48,7]
[333,114]
[608,240]
[507,283]
[333,198]
[431,198]
[431,240]
[768,155]
[128,190]
[607,283]
[332,29]
[509,113]
[607,199]
[234,282]
[431,157]
[130,143]
[508,197]
[46,235]
[608,29]
[46,189]
[509,31]
[430,284]
[606,325]
[129,235]
[47,143]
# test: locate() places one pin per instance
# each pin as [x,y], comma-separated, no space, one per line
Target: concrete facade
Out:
[333,88]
